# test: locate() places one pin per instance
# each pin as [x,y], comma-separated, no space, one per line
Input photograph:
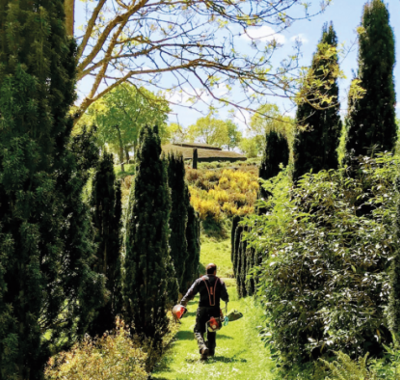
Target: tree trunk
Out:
[127,154]
[69,8]
[121,149]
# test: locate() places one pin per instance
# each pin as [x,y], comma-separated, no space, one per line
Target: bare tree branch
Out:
[152,40]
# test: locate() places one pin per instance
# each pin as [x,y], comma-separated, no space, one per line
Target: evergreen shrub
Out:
[106,217]
[324,277]
[149,281]
[178,218]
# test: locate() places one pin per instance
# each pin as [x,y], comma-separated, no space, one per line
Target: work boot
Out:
[204,353]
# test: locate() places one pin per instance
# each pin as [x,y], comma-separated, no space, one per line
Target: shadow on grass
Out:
[189,335]
[220,359]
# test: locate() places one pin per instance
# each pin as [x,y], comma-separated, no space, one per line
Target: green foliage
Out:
[276,153]
[212,131]
[178,217]
[249,147]
[106,210]
[371,125]
[47,291]
[323,280]
[234,135]
[121,113]
[268,118]
[394,304]
[193,248]
[317,140]
[148,278]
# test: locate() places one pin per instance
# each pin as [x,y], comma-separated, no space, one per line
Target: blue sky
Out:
[346,17]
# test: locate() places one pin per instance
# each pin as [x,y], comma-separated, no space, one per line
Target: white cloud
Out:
[264,33]
[300,38]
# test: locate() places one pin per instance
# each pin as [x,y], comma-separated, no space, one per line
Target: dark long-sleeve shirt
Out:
[211,288]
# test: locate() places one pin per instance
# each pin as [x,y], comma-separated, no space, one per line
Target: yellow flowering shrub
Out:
[219,192]
[112,357]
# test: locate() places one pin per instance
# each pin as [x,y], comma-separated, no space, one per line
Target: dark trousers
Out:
[203,315]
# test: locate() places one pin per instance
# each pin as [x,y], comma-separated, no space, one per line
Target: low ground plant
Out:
[113,356]
[219,193]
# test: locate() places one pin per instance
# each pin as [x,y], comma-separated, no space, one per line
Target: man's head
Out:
[211,269]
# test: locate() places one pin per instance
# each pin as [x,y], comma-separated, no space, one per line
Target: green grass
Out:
[240,354]
[219,253]
[129,170]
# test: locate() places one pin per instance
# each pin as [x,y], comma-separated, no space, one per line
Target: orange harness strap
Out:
[211,291]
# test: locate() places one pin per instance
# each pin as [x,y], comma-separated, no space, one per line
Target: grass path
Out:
[240,354]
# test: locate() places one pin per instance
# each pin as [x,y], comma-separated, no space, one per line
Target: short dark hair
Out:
[211,268]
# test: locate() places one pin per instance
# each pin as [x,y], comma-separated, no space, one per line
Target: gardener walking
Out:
[212,289]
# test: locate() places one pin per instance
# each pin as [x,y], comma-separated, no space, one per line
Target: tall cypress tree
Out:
[106,211]
[371,125]
[47,291]
[316,147]
[276,152]
[179,215]
[147,256]
[193,248]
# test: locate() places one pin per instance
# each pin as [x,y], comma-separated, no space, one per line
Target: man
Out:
[212,289]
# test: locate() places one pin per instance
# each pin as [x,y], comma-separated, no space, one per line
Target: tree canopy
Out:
[213,131]
[173,45]
[121,113]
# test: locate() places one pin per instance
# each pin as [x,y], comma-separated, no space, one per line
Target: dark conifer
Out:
[315,148]
[106,211]
[147,257]
[193,248]
[276,153]
[195,159]
[235,222]
[179,215]
[371,125]
[45,250]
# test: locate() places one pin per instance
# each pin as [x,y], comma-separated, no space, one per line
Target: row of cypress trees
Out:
[61,272]
[158,218]
[48,290]
[370,123]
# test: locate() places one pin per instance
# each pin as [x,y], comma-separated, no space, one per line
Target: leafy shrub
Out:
[323,281]
[215,193]
[113,356]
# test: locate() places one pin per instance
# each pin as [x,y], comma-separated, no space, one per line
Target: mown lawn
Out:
[240,354]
